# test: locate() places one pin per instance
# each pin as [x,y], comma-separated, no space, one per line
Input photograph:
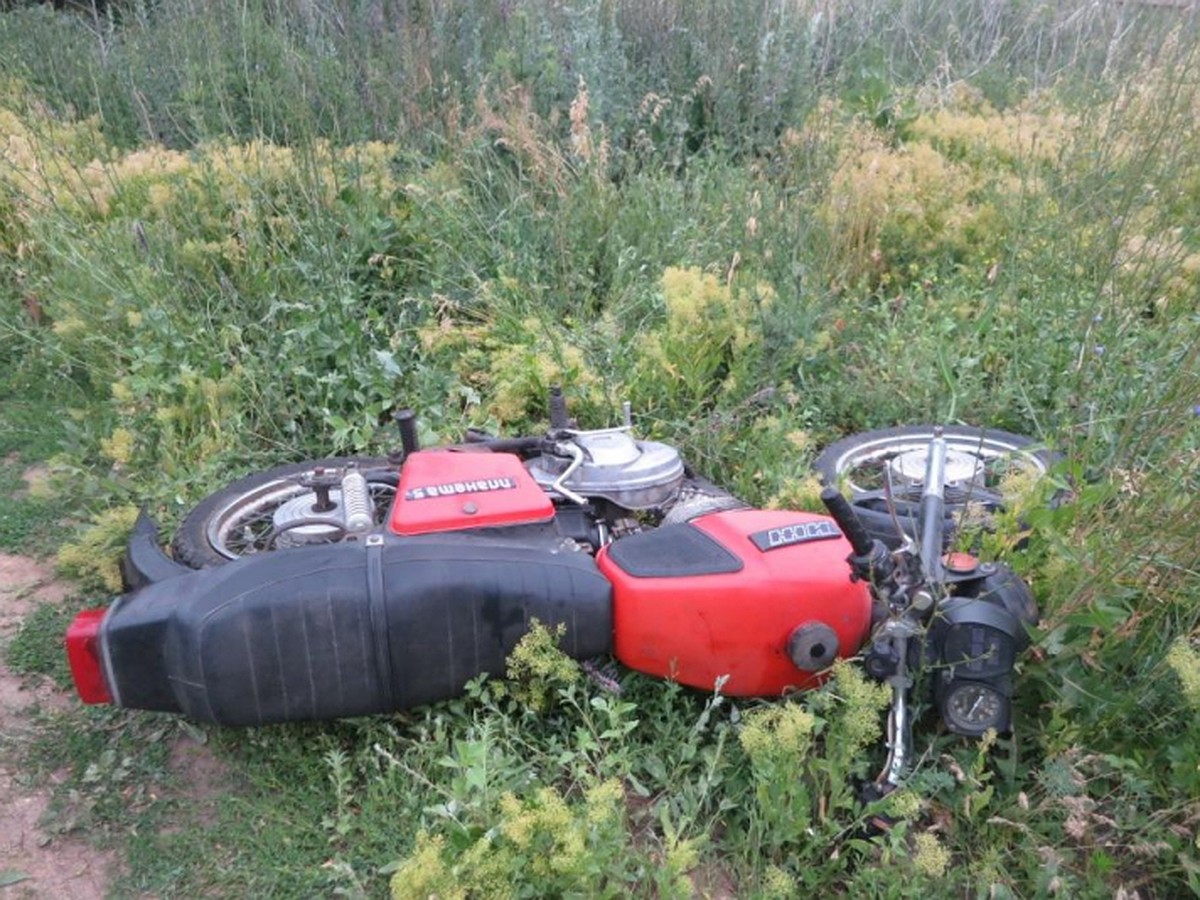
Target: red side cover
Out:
[441,490]
[697,628]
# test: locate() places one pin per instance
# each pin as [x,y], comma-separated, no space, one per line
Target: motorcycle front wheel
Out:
[271,509]
[883,471]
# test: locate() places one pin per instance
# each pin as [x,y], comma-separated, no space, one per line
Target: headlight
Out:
[975,640]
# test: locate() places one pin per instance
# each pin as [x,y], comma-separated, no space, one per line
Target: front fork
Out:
[899,728]
[909,592]
[912,606]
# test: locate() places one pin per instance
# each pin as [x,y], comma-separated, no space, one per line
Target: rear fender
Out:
[144,561]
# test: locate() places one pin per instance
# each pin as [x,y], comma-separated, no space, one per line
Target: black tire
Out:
[857,465]
[202,539]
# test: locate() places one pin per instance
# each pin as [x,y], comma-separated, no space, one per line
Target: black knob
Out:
[406,422]
[558,409]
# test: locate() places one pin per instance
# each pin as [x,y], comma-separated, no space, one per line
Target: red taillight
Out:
[83,652]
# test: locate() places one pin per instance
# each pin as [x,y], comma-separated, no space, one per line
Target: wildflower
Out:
[862,699]
[538,668]
[424,873]
[118,446]
[682,857]
[160,197]
[1186,664]
[905,804]
[93,557]
[798,493]
[799,439]
[1098,350]
[545,826]
[929,856]
[604,803]
[70,327]
[603,679]
[778,734]
[778,883]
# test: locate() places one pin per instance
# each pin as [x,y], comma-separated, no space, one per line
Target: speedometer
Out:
[972,707]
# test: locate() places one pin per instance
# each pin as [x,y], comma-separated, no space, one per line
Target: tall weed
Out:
[237,232]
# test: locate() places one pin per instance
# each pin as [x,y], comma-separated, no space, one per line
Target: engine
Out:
[581,488]
[609,465]
[578,479]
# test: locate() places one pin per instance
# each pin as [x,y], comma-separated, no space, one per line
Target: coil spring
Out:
[357,507]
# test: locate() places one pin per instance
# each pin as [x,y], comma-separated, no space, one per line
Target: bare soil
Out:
[50,865]
[53,865]
[37,480]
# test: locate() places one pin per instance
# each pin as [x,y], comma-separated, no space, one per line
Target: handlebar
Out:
[843,513]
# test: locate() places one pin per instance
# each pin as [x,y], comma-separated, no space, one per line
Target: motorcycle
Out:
[353,586]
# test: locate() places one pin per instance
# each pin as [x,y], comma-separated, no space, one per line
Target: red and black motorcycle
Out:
[352,586]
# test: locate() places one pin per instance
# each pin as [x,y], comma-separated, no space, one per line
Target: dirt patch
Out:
[24,583]
[37,481]
[49,865]
[712,881]
[205,779]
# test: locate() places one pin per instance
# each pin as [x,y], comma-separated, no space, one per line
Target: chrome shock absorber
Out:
[357,508]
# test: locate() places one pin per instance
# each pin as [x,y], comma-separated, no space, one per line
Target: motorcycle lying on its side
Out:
[352,586]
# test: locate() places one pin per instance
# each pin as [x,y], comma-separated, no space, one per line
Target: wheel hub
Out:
[318,528]
[964,470]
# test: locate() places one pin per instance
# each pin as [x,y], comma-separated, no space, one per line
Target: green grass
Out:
[766,230]
[36,649]
[27,524]
[31,434]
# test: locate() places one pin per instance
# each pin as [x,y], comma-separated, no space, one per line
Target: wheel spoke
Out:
[246,525]
[884,470]
[866,474]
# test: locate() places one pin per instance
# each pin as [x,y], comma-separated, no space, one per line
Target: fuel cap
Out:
[813,646]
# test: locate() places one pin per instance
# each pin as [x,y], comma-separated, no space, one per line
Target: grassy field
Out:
[233,234]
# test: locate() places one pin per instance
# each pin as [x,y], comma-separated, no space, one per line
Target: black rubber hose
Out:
[518,445]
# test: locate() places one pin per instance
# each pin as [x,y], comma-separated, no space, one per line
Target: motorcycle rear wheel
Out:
[239,519]
[862,465]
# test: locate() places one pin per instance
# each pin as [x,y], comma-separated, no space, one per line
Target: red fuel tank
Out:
[763,597]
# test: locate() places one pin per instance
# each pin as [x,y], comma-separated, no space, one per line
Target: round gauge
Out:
[971,708]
